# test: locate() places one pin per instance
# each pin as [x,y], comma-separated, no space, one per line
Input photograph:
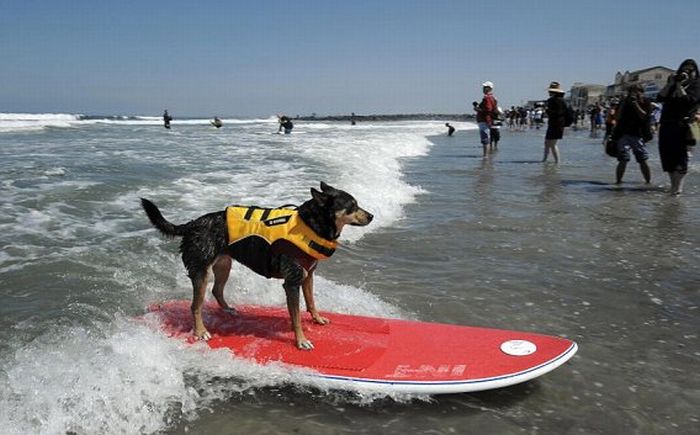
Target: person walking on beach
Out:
[595,114]
[450,129]
[611,116]
[632,129]
[680,98]
[495,130]
[166,119]
[655,116]
[484,114]
[556,111]
[538,116]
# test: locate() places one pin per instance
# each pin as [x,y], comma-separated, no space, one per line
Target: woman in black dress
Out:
[556,110]
[680,98]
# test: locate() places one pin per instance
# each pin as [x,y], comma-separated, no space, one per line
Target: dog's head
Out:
[342,205]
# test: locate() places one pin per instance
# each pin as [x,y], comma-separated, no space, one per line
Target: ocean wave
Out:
[39,117]
[97,370]
[18,122]
[10,122]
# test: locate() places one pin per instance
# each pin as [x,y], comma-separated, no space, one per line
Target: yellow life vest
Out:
[273,225]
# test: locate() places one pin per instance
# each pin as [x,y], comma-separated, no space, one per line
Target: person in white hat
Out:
[556,111]
[485,113]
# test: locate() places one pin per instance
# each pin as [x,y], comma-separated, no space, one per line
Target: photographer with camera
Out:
[632,129]
[680,98]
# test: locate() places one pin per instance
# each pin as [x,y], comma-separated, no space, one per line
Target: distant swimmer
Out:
[217,122]
[285,123]
[450,129]
[166,119]
[352,118]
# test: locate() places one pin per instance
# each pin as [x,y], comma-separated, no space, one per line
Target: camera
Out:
[682,76]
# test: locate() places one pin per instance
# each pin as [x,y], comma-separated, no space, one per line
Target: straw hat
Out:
[555,87]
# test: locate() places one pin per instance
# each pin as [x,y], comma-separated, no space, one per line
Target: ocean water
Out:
[505,242]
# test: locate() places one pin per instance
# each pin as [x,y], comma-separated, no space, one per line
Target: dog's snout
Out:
[370,216]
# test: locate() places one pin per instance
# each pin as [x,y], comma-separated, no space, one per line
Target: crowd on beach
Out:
[629,123]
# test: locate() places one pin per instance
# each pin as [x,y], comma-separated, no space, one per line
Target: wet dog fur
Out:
[204,245]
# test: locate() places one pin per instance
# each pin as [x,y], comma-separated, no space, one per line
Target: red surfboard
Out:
[388,355]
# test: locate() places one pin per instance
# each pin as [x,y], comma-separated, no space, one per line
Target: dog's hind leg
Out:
[199,288]
[221,269]
[293,275]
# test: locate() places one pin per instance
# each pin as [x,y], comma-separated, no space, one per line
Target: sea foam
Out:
[85,361]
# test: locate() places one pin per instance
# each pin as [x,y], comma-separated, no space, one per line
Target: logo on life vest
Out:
[277,221]
[425,370]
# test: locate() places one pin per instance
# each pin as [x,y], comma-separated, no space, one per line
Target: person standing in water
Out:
[680,98]
[285,123]
[450,129]
[556,111]
[484,114]
[166,119]
[632,128]
[495,130]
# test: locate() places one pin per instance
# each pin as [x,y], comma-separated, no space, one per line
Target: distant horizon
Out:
[225,116]
[390,57]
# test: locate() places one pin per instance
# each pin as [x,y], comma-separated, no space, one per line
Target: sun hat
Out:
[487,85]
[555,87]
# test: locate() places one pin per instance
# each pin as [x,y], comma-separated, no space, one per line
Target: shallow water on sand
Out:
[504,242]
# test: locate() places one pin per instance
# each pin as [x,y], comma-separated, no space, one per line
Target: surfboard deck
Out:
[388,355]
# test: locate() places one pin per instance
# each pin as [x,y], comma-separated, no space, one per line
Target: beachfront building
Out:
[581,95]
[652,80]
[535,103]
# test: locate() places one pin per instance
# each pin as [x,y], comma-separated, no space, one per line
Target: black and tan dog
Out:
[277,243]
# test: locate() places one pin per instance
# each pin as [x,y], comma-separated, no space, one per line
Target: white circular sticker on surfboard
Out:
[518,347]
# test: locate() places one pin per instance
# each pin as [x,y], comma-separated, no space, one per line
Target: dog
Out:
[284,243]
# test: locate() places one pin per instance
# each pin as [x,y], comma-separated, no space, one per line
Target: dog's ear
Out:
[326,188]
[320,198]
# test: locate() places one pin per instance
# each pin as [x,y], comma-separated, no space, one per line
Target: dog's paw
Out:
[204,335]
[321,320]
[231,311]
[305,344]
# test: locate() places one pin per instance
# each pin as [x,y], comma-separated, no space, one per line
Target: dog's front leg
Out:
[293,275]
[199,287]
[308,287]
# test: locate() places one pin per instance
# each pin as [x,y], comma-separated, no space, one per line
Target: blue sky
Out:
[257,58]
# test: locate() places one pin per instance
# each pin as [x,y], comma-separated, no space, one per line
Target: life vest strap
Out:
[321,249]
[249,212]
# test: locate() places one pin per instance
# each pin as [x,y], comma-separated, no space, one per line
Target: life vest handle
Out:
[266,213]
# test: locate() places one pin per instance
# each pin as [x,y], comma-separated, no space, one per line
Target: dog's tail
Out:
[158,221]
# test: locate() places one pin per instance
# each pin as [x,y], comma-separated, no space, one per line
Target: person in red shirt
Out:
[485,113]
